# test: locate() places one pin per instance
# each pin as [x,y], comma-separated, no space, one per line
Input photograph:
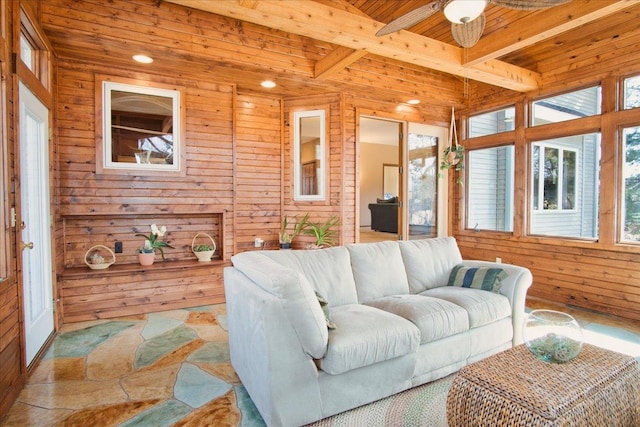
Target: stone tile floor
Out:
[160,369]
[172,369]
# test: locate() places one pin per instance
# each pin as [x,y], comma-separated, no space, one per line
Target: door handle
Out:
[24,245]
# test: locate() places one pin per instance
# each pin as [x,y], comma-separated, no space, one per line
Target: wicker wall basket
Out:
[95,257]
[203,256]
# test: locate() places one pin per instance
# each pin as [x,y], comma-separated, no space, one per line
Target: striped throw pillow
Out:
[485,278]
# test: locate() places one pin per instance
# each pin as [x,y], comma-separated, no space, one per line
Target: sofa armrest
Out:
[267,354]
[514,287]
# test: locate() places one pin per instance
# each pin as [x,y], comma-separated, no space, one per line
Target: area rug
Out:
[423,406]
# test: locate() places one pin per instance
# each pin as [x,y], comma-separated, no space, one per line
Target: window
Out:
[632,92]
[568,106]
[554,178]
[27,53]
[309,155]
[492,123]
[33,52]
[564,186]
[142,129]
[631,185]
[490,200]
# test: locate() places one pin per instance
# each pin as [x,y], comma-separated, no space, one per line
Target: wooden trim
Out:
[234,156]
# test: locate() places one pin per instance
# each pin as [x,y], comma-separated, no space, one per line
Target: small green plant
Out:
[202,248]
[285,237]
[323,233]
[453,158]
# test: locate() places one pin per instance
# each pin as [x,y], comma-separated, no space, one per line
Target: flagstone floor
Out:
[163,369]
[172,369]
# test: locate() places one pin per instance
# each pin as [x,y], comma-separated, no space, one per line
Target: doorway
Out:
[417,198]
[425,204]
[35,244]
[380,142]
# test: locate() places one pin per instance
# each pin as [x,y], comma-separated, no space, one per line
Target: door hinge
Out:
[400,170]
[400,204]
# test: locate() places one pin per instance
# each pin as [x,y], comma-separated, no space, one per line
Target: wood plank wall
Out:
[114,200]
[12,371]
[258,171]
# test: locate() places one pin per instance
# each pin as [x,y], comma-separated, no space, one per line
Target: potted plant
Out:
[203,251]
[323,233]
[453,156]
[285,237]
[147,252]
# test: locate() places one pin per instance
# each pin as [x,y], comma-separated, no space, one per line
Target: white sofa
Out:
[398,323]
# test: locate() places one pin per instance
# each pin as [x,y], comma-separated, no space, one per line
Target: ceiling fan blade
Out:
[529,4]
[409,19]
[467,35]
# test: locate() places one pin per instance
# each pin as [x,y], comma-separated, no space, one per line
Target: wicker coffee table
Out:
[514,388]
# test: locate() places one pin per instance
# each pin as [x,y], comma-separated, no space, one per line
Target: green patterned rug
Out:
[424,406]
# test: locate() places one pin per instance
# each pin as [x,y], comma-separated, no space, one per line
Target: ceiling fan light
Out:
[463,11]
[467,35]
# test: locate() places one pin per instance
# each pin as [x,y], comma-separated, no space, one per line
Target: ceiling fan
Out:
[466,16]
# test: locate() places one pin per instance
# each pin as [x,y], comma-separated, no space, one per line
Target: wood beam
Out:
[547,24]
[335,61]
[318,21]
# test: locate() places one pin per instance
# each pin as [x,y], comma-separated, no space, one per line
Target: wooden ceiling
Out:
[428,44]
[312,46]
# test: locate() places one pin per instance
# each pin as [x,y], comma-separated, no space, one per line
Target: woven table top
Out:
[549,388]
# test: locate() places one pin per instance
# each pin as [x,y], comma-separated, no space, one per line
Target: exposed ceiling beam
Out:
[336,60]
[319,21]
[546,24]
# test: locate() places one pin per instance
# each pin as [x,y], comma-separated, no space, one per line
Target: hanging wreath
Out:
[453,156]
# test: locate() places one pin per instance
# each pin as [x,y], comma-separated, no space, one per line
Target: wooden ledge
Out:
[128,269]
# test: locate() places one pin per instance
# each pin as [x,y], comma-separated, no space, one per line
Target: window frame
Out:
[487,112]
[104,165]
[321,156]
[560,183]
[533,101]
[510,184]
[622,185]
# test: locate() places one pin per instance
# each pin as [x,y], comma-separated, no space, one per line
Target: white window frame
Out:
[559,179]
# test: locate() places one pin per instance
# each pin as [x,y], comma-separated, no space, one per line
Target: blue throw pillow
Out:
[485,278]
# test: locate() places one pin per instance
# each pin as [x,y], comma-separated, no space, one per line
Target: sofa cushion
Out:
[297,297]
[482,307]
[435,318]
[485,278]
[328,270]
[364,336]
[429,261]
[378,270]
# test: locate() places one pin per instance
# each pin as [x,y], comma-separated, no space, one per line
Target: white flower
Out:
[154,229]
[162,230]
[147,245]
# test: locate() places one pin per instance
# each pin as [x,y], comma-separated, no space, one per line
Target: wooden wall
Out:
[13,370]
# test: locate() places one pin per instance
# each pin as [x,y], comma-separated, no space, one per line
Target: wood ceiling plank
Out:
[549,23]
[317,21]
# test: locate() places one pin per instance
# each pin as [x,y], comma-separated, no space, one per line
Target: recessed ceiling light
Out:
[143,59]
[269,84]
[413,102]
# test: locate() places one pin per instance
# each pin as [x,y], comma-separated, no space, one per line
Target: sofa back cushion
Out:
[378,270]
[328,271]
[429,261]
[298,299]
